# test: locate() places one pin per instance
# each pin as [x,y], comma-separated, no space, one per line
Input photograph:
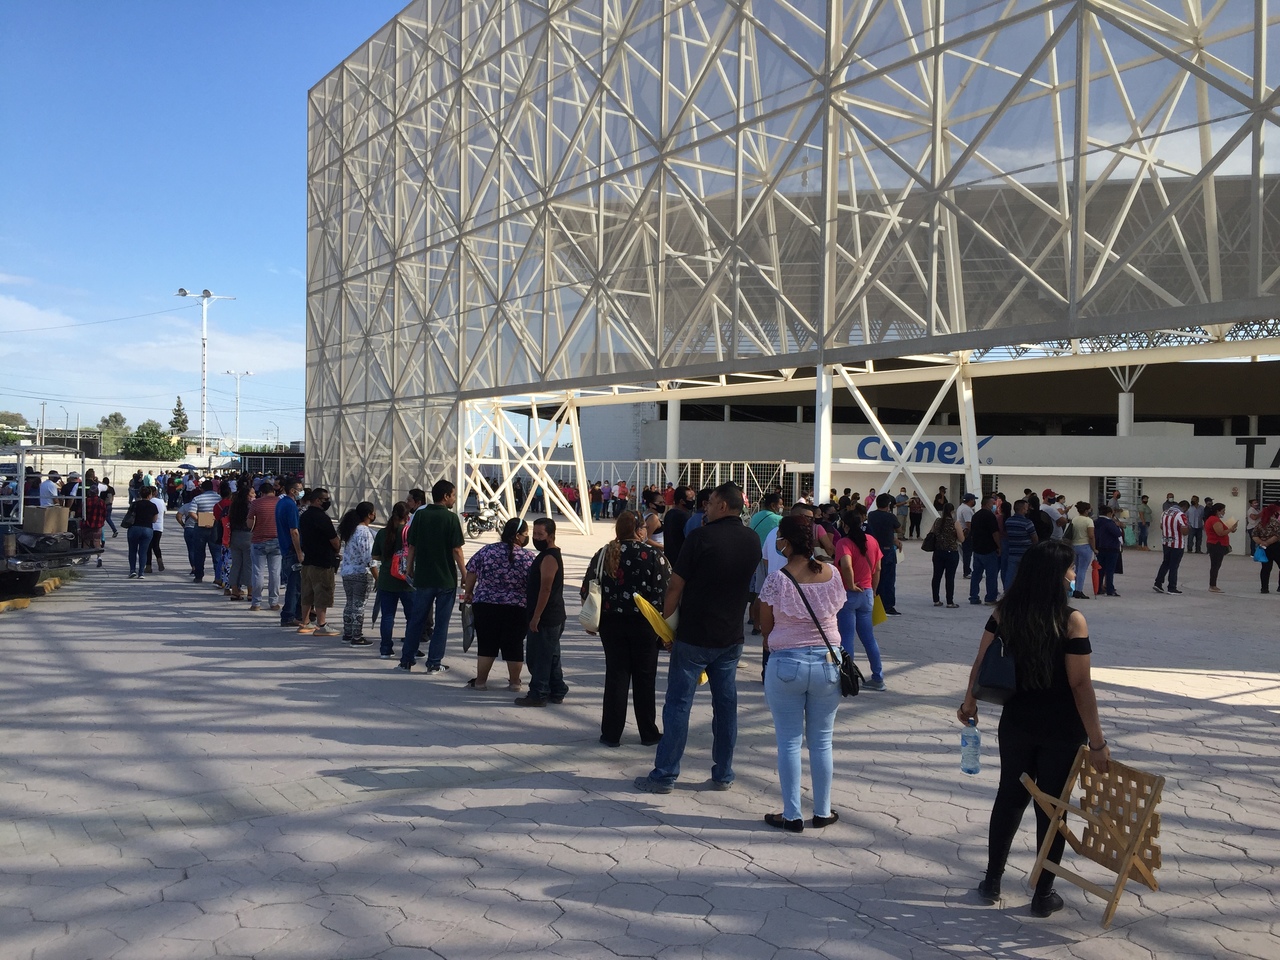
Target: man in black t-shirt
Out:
[710,588]
[319,542]
[885,527]
[984,533]
[673,523]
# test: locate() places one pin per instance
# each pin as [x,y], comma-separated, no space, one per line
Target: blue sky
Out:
[146,146]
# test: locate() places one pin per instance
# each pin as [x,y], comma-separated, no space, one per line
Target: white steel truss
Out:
[594,197]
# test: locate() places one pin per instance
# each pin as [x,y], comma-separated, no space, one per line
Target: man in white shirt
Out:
[1054,511]
[50,489]
[964,517]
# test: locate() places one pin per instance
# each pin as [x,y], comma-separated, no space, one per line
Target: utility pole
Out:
[204,296]
[232,373]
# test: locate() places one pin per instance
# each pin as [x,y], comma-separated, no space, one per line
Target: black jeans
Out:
[1048,762]
[1216,553]
[1273,558]
[630,660]
[945,562]
[913,529]
[1172,560]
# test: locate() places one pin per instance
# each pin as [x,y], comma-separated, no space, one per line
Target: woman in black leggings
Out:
[1053,711]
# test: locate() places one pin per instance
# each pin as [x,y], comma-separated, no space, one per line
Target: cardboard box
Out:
[46,519]
[205,520]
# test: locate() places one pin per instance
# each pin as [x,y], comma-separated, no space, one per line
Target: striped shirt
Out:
[263,511]
[1173,528]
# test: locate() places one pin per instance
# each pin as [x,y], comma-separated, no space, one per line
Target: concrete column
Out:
[822,432]
[1124,421]
[673,440]
[968,432]
[1253,425]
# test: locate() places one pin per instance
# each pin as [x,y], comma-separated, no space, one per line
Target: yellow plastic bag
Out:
[665,628]
[878,616]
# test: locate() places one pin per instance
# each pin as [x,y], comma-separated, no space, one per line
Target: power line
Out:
[94,323]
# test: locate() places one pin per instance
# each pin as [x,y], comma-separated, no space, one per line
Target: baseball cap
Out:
[73,475]
[969,496]
[1048,494]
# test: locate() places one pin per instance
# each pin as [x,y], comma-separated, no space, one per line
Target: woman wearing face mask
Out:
[651,519]
[1052,713]
[495,586]
[800,681]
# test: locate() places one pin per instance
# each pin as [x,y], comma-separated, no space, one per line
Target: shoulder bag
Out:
[851,677]
[997,680]
[130,516]
[589,615]
[930,542]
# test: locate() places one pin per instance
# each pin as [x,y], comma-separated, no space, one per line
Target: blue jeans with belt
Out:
[803,690]
[854,619]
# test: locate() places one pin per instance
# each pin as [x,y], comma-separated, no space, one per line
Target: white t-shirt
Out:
[1055,513]
[158,526]
[48,493]
[964,515]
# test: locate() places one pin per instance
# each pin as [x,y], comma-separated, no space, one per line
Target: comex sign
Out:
[946,452]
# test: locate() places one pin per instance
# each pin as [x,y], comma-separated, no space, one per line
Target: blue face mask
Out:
[777,545]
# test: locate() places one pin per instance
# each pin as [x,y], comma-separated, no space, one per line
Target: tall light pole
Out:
[277,426]
[232,373]
[205,296]
[66,424]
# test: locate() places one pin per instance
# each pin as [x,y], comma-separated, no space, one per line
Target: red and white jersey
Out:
[1173,528]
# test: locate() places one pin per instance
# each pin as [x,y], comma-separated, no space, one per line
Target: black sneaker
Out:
[1173,590]
[438,668]
[406,667]
[385,656]
[989,890]
[528,701]
[361,642]
[1157,588]
[894,612]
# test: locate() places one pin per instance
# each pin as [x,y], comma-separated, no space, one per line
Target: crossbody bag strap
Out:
[816,622]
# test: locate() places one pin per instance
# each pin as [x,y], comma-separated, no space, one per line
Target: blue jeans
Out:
[110,522]
[988,565]
[1011,568]
[1142,534]
[265,553]
[139,542]
[803,690]
[388,600]
[1084,568]
[854,619]
[1195,539]
[292,582]
[198,540]
[420,609]
[542,657]
[888,589]
[1169,566]
[687,664]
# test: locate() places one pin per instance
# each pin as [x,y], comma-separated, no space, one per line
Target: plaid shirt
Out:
[95,513]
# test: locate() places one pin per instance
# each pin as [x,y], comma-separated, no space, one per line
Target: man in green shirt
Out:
[1144,523]
[434,562]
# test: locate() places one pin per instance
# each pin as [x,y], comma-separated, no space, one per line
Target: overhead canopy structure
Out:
[580,201]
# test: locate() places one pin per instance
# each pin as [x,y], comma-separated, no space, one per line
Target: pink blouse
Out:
[792,625]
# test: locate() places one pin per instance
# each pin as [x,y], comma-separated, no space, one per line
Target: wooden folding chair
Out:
[1120,826]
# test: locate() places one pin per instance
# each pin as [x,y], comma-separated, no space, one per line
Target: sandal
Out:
[475,685]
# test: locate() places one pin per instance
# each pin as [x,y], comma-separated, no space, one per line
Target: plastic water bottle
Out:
[971,748]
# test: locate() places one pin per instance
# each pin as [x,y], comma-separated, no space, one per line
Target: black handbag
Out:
[930,542]
[997,679]
[129,516]
[851,677]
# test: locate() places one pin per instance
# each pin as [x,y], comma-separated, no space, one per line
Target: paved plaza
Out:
[183,779]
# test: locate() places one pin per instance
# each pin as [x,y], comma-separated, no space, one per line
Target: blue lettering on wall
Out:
[926,451]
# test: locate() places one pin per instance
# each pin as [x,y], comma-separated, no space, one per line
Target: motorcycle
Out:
[484,520]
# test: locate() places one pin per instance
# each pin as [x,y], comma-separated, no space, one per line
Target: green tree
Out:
[179,422]
[11,418]
[7,437]
[115,428]
[148,443]
[155,425]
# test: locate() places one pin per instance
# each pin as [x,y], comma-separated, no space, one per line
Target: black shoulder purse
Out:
[851,677]
[997,679]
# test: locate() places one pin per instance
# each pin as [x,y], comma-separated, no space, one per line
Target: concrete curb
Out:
[43,589]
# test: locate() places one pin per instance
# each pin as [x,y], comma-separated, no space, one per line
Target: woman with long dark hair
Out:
[948,534]
[800,681]
[356,568]
[495,586]
[630,567]
[1052,713]
[858,559]
[239,580]
[393,591]
[1217,533]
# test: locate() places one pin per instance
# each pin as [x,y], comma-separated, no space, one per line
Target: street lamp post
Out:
[232,373]
[204,296]
[277,426]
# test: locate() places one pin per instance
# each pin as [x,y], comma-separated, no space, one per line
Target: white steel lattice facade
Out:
[527,198]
